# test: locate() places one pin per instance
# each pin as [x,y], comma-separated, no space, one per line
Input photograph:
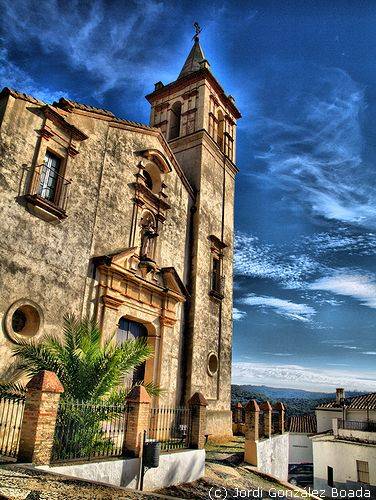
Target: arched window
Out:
[221,122]
[175,117]
[131,330]
[153,177]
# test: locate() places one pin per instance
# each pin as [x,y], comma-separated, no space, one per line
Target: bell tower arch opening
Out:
[175,120]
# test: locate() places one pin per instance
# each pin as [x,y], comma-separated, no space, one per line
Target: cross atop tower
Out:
[197,31]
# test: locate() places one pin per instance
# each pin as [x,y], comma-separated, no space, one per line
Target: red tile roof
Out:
[364,402]
[305,424]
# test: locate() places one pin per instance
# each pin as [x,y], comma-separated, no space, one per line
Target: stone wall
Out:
[51,264]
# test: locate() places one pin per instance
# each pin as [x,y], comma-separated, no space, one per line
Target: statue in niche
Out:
[148,233]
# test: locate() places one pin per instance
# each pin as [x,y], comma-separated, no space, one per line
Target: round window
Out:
[212,363]
[23,320]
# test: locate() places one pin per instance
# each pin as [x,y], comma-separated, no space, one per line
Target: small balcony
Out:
[48,194]
[354,430]
[218,286]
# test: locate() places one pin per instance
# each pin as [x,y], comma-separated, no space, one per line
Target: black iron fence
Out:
[171,427]
[11,414]
[86,431]
[355,425]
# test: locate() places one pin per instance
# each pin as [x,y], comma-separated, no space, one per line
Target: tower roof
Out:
[193,60]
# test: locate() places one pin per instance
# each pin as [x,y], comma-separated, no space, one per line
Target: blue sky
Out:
[303,74]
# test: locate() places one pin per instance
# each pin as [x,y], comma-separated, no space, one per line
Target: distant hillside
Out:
[280,392]
[297,401]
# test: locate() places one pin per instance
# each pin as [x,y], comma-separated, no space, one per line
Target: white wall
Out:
[300,448]
[174,468]
[342,456]
[324,417]
[273,455]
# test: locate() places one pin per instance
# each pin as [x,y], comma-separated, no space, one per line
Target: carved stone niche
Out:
[151,206]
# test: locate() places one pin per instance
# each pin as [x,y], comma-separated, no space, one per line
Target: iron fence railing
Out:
[86,431]
[355,425]
[171,427]
[48,184]
[11,413]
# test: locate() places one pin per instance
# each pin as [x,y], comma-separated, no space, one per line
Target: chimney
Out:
[340,395]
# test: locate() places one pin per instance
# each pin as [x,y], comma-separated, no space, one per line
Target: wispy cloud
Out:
[286,308]
[281,354]
[108,45]
[315,153]
[360,287]
[370,353]
[296,376]
[343,239]
[253,258]
[237,314]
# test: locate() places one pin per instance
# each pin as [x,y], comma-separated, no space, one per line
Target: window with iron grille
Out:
[49,177]
[362,470]
[216,274]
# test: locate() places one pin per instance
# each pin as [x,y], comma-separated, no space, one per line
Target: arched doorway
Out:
[131,330]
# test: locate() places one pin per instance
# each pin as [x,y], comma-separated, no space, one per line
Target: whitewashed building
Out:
[301,427]
[344,451]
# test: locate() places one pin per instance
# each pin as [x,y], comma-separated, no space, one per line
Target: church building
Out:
[128,223]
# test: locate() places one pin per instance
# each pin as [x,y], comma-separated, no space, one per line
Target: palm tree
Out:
[90,369]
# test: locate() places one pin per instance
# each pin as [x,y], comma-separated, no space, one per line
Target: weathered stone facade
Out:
[102,216]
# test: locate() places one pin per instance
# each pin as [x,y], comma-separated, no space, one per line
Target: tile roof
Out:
[303,423]
[68,104]
[364,402]
[21,95]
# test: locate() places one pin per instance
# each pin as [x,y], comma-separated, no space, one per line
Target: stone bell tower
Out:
[198,120]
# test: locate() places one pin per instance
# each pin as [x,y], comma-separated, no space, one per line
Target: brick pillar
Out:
[238,413]
[266,407]
[251,432]
[138,416]
[280,407]
[198,405]
[39,419]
